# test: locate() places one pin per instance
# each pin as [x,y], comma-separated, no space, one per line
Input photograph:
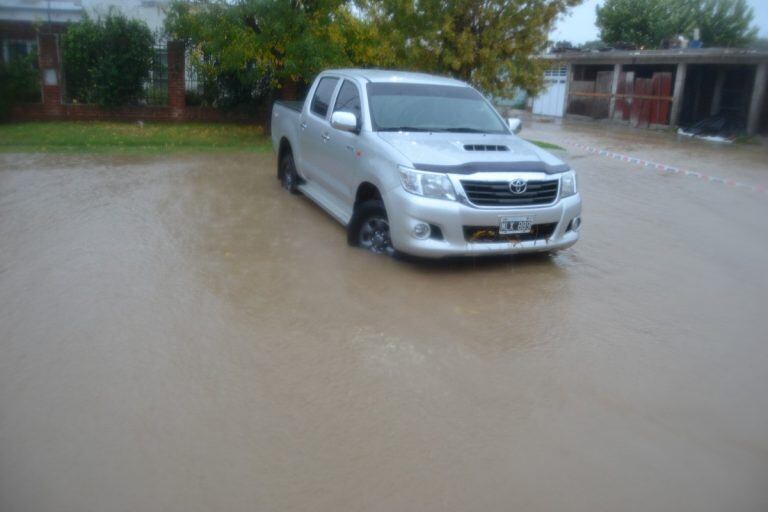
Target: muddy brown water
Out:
[177,333]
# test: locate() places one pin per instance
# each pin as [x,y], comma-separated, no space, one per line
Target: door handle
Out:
[303,126]
[326,137]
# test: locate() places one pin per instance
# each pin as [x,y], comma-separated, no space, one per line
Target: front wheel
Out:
[370,228]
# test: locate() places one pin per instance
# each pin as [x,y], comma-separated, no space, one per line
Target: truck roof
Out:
[391,75]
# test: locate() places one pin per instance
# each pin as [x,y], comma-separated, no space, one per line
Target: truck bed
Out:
[286,117]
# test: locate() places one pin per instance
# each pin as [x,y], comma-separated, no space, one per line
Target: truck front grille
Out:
[487,234]
[498,193]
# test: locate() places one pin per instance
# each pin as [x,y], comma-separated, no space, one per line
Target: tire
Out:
[369,228]
[286,173]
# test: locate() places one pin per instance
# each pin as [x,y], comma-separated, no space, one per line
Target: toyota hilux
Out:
[423,165]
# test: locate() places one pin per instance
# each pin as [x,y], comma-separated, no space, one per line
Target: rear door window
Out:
[322,98]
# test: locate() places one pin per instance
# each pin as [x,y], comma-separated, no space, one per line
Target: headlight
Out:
[427,184]
[568,184]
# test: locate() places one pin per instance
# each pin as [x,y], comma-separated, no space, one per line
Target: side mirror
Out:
[345,121]
[515,124]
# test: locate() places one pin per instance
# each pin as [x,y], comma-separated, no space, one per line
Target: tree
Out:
[19,82]
[647,23]
[488,43]
[722,22]
[107,60]
[244,49]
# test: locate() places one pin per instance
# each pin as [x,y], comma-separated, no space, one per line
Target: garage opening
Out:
[763,129]
[723,91]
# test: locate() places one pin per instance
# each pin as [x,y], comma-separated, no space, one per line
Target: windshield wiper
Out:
[464,129]
[405,129]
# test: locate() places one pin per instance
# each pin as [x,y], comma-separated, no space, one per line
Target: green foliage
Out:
[19,83]
[243,50]
[647,23]
[485,42]
[107,60]
[722,22]
[108,137]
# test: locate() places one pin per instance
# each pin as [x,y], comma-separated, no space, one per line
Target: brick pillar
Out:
[50,72]
[176,85]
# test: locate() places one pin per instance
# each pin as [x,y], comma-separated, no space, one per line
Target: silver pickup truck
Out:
[422,165]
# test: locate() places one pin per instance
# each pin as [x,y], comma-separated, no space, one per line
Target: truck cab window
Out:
[348,100]
[322,98]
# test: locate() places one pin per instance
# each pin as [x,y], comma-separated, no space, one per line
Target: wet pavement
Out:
[179,334]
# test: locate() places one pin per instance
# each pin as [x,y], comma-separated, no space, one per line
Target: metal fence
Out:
[193,83]
[156,86]
[154,89]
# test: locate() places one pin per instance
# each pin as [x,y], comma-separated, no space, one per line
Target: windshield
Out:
[425,107]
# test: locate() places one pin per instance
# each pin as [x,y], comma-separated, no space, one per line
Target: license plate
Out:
[515,225]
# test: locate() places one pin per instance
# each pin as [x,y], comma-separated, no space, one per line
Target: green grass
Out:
[152,138]
[545,145]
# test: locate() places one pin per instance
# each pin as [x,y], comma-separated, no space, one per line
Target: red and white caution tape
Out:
[648,164]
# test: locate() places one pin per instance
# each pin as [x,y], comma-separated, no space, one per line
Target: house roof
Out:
[671,56]
[40,10]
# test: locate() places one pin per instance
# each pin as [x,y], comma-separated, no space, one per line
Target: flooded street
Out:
[179,334]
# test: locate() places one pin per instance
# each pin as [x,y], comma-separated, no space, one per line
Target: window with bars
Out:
[13,49]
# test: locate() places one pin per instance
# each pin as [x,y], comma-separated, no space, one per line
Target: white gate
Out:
[551,101]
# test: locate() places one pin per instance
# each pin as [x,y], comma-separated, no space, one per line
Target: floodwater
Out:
[179,334]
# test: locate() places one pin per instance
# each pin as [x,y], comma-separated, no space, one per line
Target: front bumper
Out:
[406,210]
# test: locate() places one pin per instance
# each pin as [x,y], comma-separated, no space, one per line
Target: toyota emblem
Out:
[518,186]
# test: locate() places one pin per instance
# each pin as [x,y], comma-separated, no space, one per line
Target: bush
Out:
[19,83]
[107,60]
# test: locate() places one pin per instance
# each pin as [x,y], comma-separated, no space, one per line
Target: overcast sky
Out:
[579,26]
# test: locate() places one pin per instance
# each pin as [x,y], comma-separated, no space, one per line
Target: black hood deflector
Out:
[473,167]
